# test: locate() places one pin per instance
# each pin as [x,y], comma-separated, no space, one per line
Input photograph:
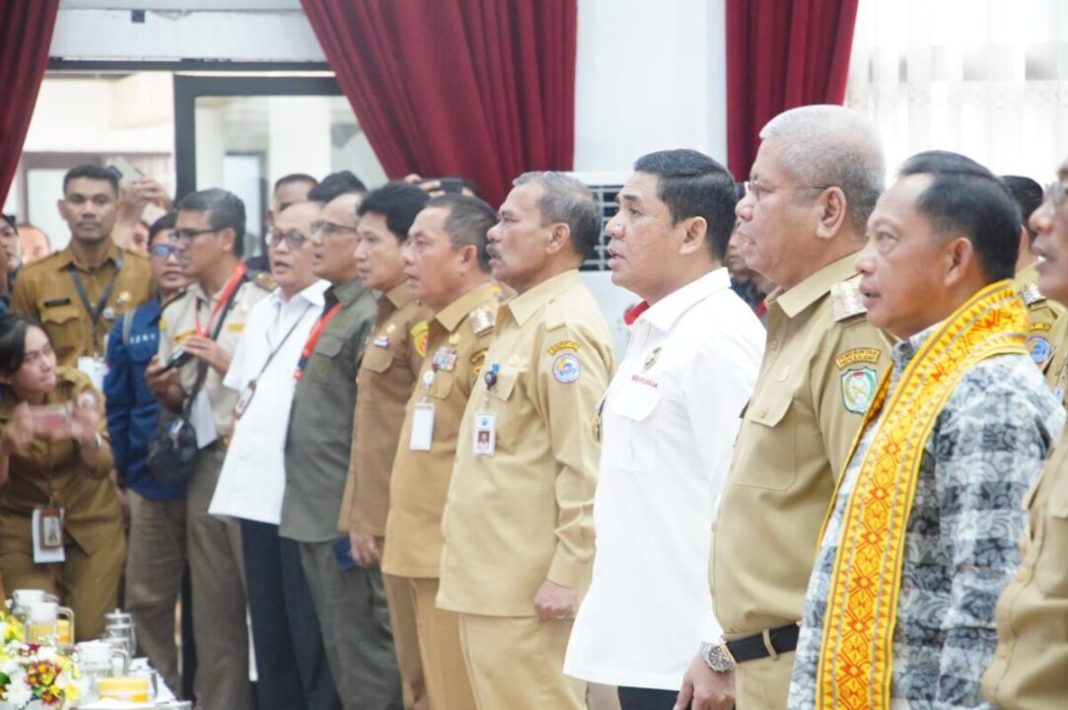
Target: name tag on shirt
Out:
[47,523]
[485,441]
[422,427]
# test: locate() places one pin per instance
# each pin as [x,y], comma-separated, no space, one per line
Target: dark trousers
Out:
[291,667]
[646,698]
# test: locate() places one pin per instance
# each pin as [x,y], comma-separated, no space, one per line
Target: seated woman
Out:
[60,520]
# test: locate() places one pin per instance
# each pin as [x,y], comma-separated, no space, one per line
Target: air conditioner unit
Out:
[605,186]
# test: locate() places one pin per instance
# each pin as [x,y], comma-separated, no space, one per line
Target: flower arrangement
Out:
[33,676]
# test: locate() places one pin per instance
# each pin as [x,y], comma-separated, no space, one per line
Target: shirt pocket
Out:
[377,360]
[768,455]
[634,446]
[1051,564]
[62,325]
[325,361]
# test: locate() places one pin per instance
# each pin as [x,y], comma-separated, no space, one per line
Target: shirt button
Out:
[763,412]
[773,344]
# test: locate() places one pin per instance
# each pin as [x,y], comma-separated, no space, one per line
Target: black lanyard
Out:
[95,313]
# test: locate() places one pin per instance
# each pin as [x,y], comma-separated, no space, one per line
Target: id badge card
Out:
[422,427]
[244,399]
[485,434]
[95,369]
[47,525]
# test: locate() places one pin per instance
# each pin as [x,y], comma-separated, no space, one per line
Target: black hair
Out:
[225,211]
[10,219]
[1028,196]
[13,341]
[167,221]
[966,197]
[692,184]
[335,185]
[294,177]
[399,202]
[468,222]
[93,172]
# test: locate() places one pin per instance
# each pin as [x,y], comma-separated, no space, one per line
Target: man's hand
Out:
[209,351]
[164,384]
[555,603]
[364,549]
[705,689]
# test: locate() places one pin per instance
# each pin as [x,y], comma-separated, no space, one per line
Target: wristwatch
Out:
[717,657]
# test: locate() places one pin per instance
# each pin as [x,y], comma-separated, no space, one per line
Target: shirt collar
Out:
[663,314]
[67,257]
[344,293]
[312,294]
[904,350]
[453,314]
[814,287]
[527,303]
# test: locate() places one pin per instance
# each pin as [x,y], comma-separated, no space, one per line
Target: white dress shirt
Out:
[253,475]
[669,420]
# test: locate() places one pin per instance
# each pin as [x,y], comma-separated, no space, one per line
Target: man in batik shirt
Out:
[922,536]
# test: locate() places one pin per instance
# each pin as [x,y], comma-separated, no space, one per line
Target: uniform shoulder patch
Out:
[855,355]
[265,281]
[846,301]
[420,334]
[566,367]
[1039,348]
[563,345]
[858,388]
[1031,295]
[482,320]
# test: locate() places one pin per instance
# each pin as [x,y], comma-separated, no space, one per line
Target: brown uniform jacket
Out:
[1030,666]
[93,516]
[456,350]
[821,365]
[391,358]
[525,514]
[45,290]
[1042,312]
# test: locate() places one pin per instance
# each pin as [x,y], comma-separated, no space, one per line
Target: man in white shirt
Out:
[667,421]
[291,664]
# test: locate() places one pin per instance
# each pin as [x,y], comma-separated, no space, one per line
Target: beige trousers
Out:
[763,684]
[406,641]
[439,645]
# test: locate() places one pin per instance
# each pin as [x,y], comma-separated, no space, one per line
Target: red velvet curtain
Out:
[25,35]
[479,88]
[782,54]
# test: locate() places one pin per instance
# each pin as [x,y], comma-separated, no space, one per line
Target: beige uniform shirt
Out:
[391,359]
[1056,368]
[1030,666]
[524,514]
[45,290]
[821,366]
[1042,312]
[179,322]
[459,336]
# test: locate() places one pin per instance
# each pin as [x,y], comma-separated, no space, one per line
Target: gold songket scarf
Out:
[856,656]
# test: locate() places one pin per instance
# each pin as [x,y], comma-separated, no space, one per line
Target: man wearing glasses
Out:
[1032,614]
[155,557]
[348,598]
[205,323]
[290,662]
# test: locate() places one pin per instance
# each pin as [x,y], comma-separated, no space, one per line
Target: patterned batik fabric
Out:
[961,541]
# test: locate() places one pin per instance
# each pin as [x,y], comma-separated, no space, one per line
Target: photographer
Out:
[54,461]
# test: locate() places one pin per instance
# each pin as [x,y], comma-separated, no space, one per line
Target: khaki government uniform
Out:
[45,290]
[390,361]
[1056,367]
[213,544]
[88,582]
[821,367]
[1042,312]
[456,350]
[1028,669]
[524,514]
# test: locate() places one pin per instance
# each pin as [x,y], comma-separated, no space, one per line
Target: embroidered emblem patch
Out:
[651,359]
[1039,349]
[420,334]
[851,357]
[566,368]
[858,389]
[563,345]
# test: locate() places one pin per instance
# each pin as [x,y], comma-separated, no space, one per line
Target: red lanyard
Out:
[224,296]
[313,339]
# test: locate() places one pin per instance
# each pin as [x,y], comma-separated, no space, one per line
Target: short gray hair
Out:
[832,146]
[567,199]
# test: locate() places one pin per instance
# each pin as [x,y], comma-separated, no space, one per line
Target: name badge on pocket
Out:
[244,399]
[47,524]
[485,434]
[422,427]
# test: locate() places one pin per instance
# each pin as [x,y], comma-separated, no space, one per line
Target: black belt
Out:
[783,639]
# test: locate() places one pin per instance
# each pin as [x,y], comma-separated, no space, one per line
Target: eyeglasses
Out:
[186,236]
[293,239]
[330,229]
[754,188]
[162,251]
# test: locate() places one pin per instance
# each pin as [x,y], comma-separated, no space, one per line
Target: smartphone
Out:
[127,172]
[53,419]
[178,358]
[343,554]
[451,185]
